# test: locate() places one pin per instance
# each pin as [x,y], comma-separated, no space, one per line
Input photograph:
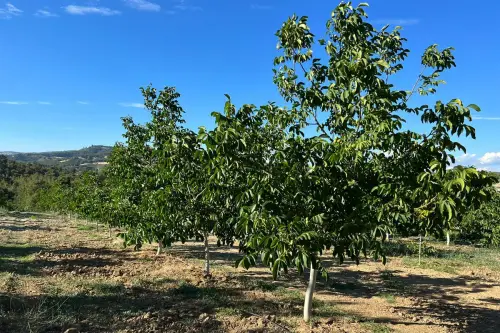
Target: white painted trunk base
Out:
[207,256]
[160,248]
[309,295]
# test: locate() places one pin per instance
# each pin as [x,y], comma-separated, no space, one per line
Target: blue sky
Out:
[70,69]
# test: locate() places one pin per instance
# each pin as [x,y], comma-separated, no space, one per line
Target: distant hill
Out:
[86,158]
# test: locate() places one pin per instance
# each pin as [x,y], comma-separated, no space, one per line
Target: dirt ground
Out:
[65,276]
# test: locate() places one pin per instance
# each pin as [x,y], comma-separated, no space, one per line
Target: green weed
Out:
[107,288]
[390,298]
[85,227]
[376,327]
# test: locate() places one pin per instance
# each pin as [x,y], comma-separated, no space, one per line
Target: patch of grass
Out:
[296,298]
[266,286]
[208,295]
[9,282]
[21,252]
[16,257]
[85,227]
[408,248]
[36,315]
[445,259]
[390,298]
[288,294]
[107,288]
[227,312]
[376,327]
[155,283]
[141,283]
[474,257]
[344,285]
[258,284]
[386,275]
[52,289]
[391,281]
[187,290]
[324,309]
[439,265]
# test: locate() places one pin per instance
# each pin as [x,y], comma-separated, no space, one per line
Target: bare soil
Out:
[65,276]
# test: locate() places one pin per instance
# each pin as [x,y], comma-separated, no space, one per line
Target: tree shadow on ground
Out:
[128,309]
[28,215]
[18,251]
[122,254]
[373,283]
[434,297]
[441,294]
[16,259]
[495,301]
[184,308]
[16,227]
[37,261]
[220,255]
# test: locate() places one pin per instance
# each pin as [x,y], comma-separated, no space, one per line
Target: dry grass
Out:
[56,275]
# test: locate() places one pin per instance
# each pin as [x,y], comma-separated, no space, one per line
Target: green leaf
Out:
[474,106]
[275,269]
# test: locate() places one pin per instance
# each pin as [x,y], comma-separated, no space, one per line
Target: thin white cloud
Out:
[132,105]
[9,11]
[397,21]
[184,7]
[13,102]
[44,103]
[83,102]
[486,118]
[45,13]
[493,167]
[489,161]
[490,158]
[465,158]
[260,7]
[143,5]
[86,10]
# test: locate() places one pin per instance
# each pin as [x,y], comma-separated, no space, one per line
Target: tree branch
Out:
[415,85]
[315,115]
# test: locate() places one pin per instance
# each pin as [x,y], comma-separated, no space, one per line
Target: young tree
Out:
[481,225]
[165,172]
[344,188]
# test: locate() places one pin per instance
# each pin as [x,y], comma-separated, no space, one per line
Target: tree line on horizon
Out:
[87,158]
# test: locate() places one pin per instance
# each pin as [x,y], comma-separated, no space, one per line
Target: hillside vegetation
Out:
[83,159]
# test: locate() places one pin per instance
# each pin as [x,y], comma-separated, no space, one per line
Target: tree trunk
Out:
[97,225]
[448,238]
[109,230]
[387,235]
[309,295]
[419,248]
[160,248]
[207,256]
